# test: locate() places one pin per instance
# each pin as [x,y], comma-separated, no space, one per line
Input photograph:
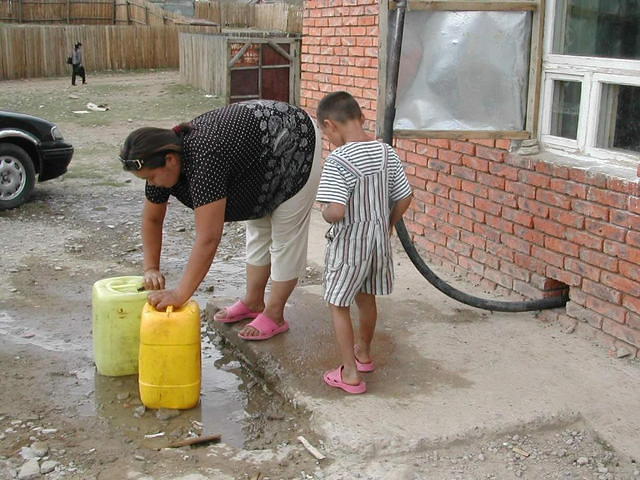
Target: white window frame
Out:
[592,72]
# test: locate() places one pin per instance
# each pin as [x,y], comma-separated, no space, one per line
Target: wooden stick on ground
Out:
[196,441]
[312,450]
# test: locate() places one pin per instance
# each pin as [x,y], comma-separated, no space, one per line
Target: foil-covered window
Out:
[464,70]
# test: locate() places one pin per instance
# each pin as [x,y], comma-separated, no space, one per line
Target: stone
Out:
[622,352]
[48,466]
[166,414]
[582,461]
[29,470]
[122,395]
[49,431]
[481,457]
[40,449]
[181,229]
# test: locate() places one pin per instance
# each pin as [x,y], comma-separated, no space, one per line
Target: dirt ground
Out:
[84,227]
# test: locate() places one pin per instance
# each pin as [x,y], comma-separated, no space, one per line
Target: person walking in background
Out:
[77,64]
[364,192]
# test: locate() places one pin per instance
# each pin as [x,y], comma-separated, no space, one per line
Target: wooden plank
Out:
[535,78]
[464,134]
[468,5]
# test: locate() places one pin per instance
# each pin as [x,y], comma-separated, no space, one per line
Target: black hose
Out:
[387,136]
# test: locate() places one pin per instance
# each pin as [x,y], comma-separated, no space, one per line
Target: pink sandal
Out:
[333,378]
[363,367]
[267,328]
[236,312]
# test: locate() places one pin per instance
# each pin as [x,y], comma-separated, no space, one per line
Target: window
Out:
[469,69]
[591,99]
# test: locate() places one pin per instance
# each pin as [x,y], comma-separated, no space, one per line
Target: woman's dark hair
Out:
[147,146]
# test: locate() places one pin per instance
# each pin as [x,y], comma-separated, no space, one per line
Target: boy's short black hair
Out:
[339,107]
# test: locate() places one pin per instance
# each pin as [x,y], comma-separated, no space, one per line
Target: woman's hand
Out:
[153,279]
[160,300]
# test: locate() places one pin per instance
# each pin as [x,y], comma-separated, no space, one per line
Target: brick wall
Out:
[515,224]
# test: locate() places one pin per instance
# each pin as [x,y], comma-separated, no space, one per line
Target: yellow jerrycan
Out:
[170,357]
[116,308]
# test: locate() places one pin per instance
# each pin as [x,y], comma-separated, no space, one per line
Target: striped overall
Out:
[358,257]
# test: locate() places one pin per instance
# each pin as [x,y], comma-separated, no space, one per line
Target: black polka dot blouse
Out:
[256,154]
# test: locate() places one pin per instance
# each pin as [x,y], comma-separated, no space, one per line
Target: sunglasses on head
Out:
[133,164]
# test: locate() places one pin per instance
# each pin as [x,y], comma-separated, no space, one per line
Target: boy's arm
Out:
[398,210]
[333,212]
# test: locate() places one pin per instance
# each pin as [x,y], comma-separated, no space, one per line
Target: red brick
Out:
[450,157]
[439,166]
[584,315]
[414,227]
[565,217]
[425,173]
[520,189]
[605,308]
[446,254]
[460,221]
[516,243]
[624,219]
[634,204]
[439,142]
[523,288]
[599,259]
[491,180]
[606,197]
[459,247]
[450,181]
[484,258]
[427,150]
[503,198]
[489,154]
[462,197]
[578,296]
[438,189]
[601,291]
[569,188]
[473,239]
[448,205]
[471,265]
[622,251]
[623,186]
[606,230]
[632,303]
[463,147]
[415,159]
[498,277]
[633,320]
[502,170]
[621,283]
[530,263]
[475,189]
[583,269]
[633,238]
[463,172]
[519,161]
[629,270]
[590,178]
[503,144]
[517,216]
[487,206]
[472,213]
[561,246]
[532,206]
[563,276]
[425,244]
[552,258]
[487,142]
[553,199]
[448,230]
[533,178]
[514,271]
[584,239]
[475,163]
[487,232]
[623,332]
[590,209]
[529,234]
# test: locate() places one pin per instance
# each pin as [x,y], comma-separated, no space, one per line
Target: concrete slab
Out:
[445,372]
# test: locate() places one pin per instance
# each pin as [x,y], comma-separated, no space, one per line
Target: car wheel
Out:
[17,176]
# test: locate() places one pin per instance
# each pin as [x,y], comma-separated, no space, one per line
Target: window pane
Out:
[565,109]
[619,122]
[597,28]
[454,75]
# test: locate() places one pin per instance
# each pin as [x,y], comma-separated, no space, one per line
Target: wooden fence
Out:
[93,12]
[281,17]
[41,51]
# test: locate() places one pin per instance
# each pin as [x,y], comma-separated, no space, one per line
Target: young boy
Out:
[365,192]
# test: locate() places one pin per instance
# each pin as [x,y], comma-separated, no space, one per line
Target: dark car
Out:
[30,147]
